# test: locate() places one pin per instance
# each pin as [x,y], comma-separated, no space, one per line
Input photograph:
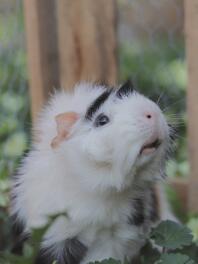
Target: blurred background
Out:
[150,51]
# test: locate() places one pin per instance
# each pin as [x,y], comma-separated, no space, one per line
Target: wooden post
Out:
[181,187]
[87,41]
[42,50]
[191,27]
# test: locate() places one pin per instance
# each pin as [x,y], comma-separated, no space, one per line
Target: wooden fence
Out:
[76,40]
[67,41]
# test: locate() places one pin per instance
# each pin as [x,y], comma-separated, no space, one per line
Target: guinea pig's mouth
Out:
[150,147]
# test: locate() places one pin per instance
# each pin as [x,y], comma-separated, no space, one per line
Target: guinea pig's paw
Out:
[64,123]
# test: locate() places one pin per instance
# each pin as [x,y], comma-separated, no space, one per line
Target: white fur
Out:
[94,175]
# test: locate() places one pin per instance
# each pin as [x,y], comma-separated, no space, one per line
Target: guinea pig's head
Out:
[120,140]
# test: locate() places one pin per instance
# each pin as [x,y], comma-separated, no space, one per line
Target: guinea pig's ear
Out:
[64,122]
[126,89]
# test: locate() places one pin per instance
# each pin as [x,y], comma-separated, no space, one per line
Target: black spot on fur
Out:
[95,106]
[73,253]
[138,217]
[125,90]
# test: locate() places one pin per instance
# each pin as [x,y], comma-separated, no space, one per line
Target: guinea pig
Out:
[99,157]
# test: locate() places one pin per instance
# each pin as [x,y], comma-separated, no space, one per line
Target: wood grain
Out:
[87,41]
[42,49]
[191,31]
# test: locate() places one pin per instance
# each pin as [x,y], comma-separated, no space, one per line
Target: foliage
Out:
[175,242]
[175,259]
[193,225]
[14,110]
[14,102]
[171,235]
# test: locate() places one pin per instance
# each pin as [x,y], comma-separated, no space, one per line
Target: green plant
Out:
[175,242]
[14,110]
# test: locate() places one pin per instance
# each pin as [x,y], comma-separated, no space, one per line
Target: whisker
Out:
[177,102]
[175,119]
[160,97]
[175,122]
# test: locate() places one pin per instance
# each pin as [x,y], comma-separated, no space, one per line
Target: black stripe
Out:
[73,253]
[95,106]
[138,217]
[125,90]
[154,212]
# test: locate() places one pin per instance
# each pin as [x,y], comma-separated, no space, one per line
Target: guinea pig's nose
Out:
[149,115]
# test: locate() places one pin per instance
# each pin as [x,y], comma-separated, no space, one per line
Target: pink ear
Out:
[64,122]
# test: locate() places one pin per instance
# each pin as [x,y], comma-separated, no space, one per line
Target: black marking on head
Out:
[138,217]
[125,90]
[95,106]
[73,253]
[154,206]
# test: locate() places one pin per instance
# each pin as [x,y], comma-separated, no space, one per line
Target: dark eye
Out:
[101,120]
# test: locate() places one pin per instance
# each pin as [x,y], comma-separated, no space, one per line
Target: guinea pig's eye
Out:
[101,120]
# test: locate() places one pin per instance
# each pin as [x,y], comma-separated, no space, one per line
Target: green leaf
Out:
[174,259]
[191,251]
[171,235]
[148,254]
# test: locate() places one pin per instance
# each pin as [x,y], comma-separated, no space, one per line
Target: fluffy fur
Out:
[99,176]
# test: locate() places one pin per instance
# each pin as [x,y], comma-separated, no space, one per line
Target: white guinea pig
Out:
[98,155]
